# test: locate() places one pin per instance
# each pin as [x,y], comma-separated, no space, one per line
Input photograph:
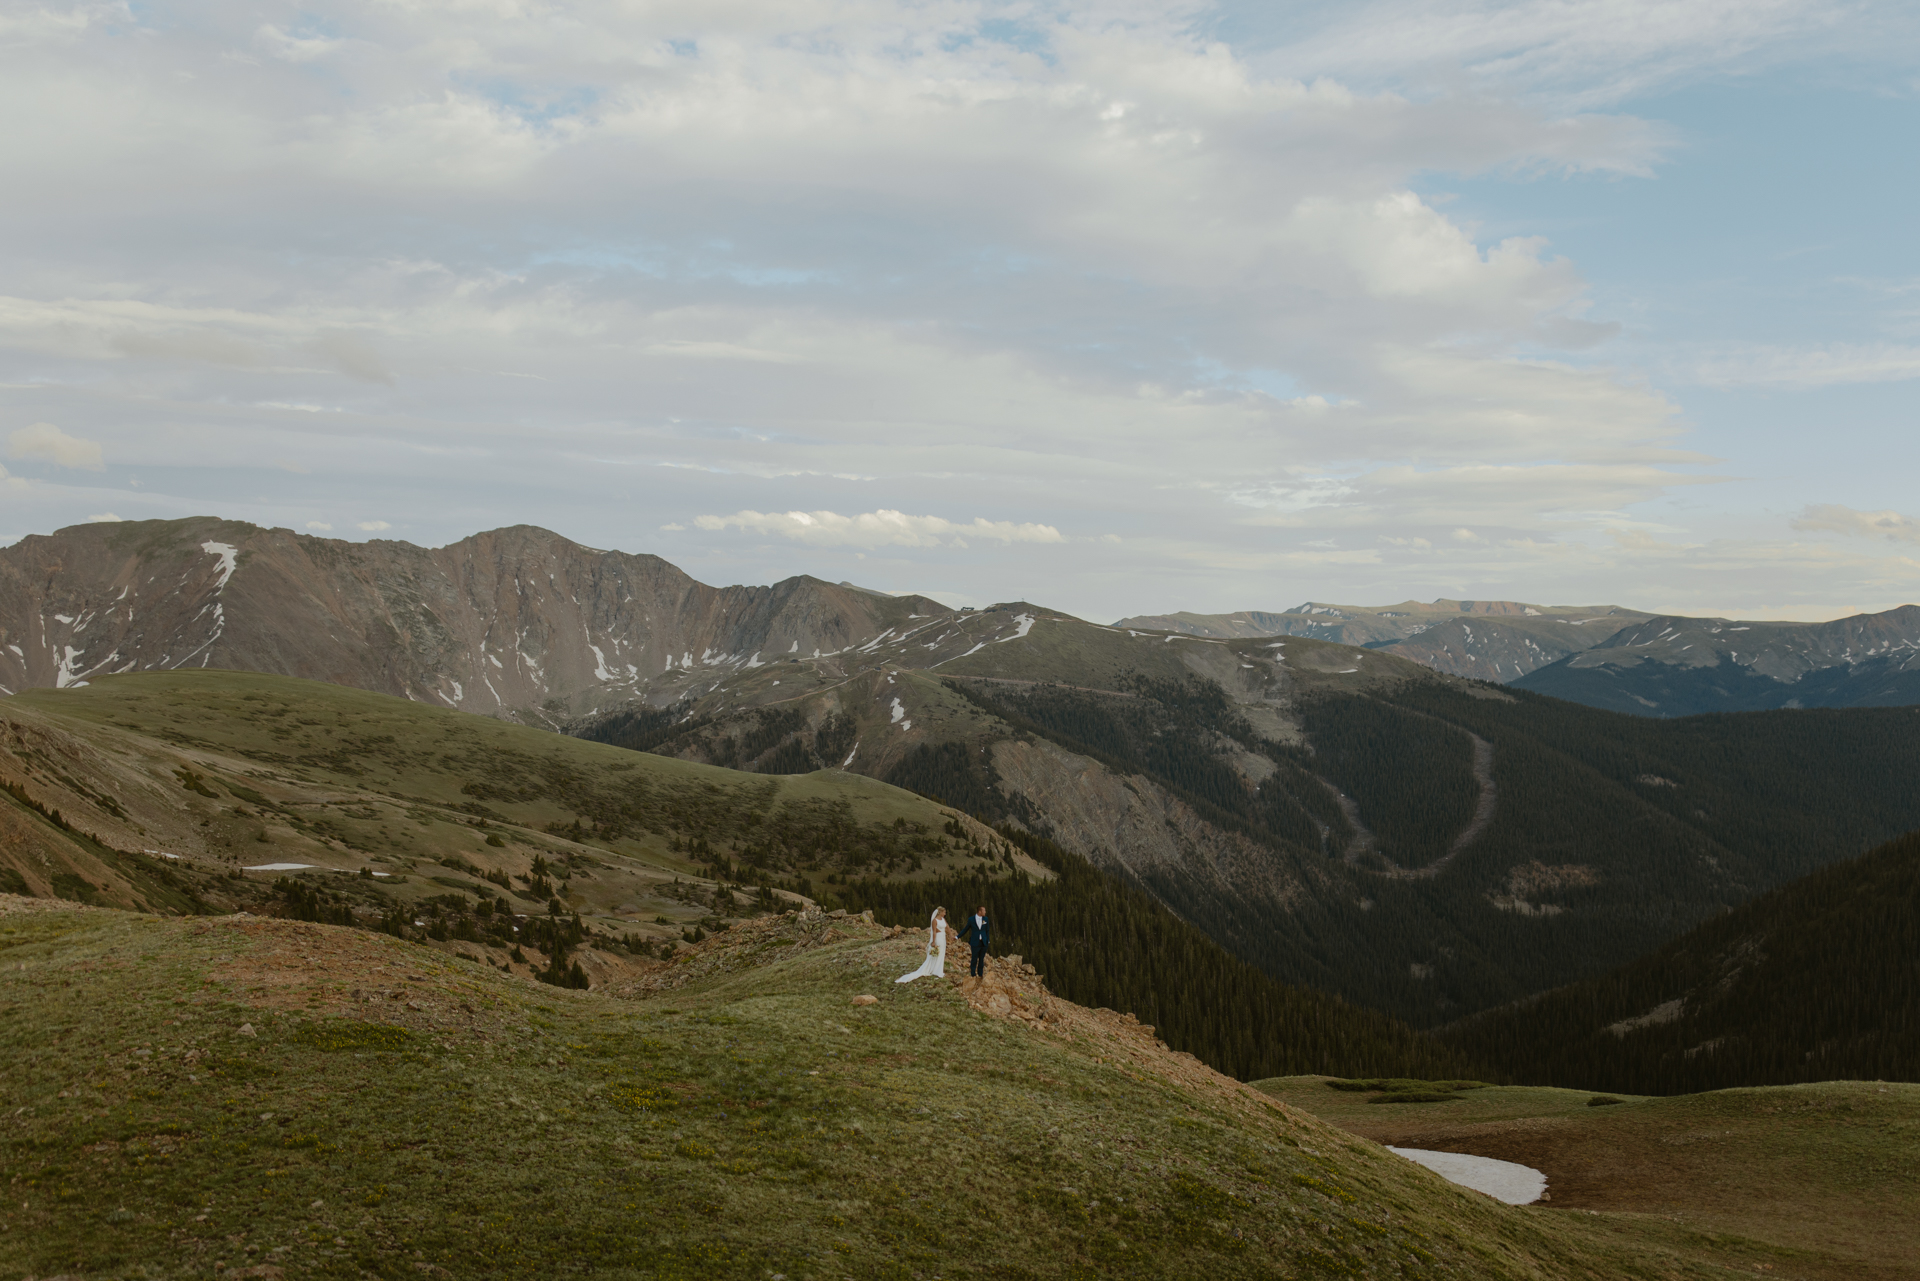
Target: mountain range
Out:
[1342,817]
[516,621]
[1620,659]
[1290,853]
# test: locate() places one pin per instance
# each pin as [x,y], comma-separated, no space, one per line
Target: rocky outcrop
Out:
[516,620]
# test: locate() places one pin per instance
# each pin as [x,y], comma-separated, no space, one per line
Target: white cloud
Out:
[881,528]
[779,260]
[48,443]
[716,351]
[1594,52]
[354,356]
[1831,366]
[319,524]
[295,48]
[105,518]
[1837,519]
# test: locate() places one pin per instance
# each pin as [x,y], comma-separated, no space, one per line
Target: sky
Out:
[1120,307]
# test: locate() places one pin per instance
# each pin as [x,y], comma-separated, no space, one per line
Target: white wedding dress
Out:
[935,966]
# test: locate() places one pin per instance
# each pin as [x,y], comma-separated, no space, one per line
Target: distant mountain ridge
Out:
[517,621]
[1619,659]
[1489,640]
[1671,666]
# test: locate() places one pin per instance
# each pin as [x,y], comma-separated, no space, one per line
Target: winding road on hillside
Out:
[1364,842]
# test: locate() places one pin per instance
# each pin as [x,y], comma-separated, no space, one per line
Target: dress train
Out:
[935,966]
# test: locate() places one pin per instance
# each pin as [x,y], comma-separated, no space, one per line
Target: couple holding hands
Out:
[977,932]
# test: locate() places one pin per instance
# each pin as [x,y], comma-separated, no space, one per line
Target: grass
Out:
[394,1113]
[235,769]
[1815,1180]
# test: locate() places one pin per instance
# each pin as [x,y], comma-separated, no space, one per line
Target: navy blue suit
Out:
[978,932]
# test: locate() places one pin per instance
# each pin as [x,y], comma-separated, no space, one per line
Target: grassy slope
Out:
[300,772]
[397,1114]
[305,772]
[1813,1181]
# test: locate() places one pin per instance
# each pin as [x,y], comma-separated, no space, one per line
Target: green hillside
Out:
[259,1098]
[437,825]
[1818,980]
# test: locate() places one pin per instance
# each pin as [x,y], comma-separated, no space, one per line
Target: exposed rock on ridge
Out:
[512,621]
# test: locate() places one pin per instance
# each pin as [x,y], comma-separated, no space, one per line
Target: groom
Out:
[977,933]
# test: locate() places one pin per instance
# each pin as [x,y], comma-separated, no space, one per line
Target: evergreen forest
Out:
[1816,981]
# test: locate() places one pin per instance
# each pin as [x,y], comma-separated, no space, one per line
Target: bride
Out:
[935,966]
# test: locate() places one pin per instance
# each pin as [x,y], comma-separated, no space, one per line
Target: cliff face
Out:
[516,620]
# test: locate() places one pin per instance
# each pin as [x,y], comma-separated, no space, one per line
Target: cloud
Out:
[48,443]
[373,526]
[881,528]
[319,524]
[1831,366]
[1836,519]
[1589,53]
[689,349]
[354,356]
[295,48]
[105,518]
[1086,263]
[1444,499]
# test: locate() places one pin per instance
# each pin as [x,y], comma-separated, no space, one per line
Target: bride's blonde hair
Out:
[939,911]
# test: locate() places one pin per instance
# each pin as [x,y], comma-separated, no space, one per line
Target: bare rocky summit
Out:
[517,621]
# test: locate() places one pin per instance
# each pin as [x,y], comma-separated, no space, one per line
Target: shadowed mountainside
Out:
[1343,818]
[1816,981]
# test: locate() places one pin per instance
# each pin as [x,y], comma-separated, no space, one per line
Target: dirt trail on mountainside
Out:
[1485,807]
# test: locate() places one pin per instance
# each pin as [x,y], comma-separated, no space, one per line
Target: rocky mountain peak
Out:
[518,620]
